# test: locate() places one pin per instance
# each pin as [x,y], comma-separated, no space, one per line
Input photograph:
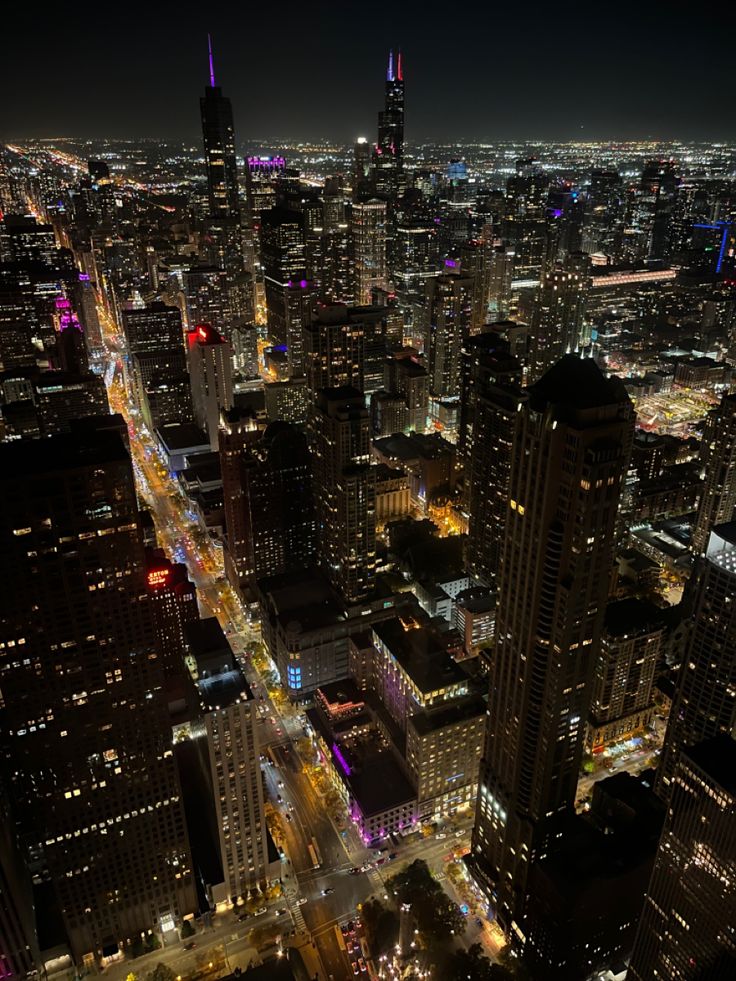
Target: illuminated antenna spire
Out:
[212,63]
[390,72]
[399,70]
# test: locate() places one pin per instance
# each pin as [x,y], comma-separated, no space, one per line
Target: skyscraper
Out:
[705,699]
[491,400]
[219,149]
[345,490]
[718,459]
[569,455]
[86,745]
[449,317]
[288,291]
[559,313]
[158,369]
[368,231]
[388,154]
[269,509]
[688,927]
[211,376]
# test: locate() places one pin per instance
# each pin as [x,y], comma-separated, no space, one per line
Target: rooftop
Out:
[420,654]
[66,451]
[181,436]
[448,715]
[717,758]
[628,616]
[302,600]
[577,383]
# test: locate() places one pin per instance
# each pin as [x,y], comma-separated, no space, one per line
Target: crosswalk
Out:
[296,913]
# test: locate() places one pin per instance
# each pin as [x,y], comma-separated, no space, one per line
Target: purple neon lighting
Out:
[390,72]
[450,263]
[341,760]
[83,278]
[212,63]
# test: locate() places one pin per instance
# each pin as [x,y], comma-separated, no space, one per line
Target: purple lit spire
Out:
[390,72]
[212,63]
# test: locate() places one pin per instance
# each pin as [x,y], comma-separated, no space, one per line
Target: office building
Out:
[206,291]
[569,456]
[158,375]
[173,602]
[388,153]
[705,700]
[288,291]
[687,928]
[718,462]
[287,400]
[108,830]
[345,490]
[267,490]
[211,376]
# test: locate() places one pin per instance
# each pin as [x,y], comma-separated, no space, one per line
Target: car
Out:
[354,965]
[380,862]
[354,871]
[261,911]
[459,834]
[361,964]
[393,855]
[328,891]
[281,784]
[441,835]
[288,818]
[302,901]
[344,928]
[378,851]
[190,946]
[279,798]
[281,912]
[351,927]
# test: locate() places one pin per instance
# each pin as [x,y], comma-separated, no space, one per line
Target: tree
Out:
[187,930]
[473,965]
[161,972]
[381,926]
[437,917]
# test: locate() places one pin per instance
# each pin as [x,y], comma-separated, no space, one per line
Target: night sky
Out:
[474,69]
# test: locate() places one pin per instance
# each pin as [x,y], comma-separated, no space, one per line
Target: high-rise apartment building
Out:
[688,926]
[211,376]
[86,750]
[368,231]
[631,646]
[206,292]
[569,455]
[345,490]
[449,318]
[718,459]
[404,375]
[559,313]
[491,401]
[705,698]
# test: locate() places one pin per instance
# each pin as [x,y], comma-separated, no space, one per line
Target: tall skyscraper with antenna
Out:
[388,156]
[219,147]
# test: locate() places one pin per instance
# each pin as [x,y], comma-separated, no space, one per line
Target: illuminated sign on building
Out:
[158,578]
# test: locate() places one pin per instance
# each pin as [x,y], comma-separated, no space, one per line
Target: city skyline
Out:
[368,519]
[493,85]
